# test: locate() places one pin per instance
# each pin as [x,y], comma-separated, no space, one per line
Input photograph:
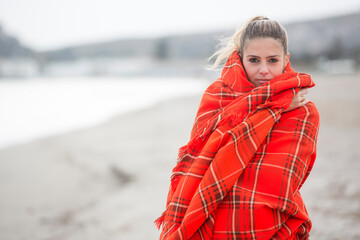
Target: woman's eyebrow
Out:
[271,56]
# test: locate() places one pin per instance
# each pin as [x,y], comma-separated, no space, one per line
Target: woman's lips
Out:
[262,80]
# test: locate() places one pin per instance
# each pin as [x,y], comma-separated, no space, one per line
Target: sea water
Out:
[40,107]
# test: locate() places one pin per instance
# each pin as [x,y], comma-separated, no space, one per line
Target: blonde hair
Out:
[256,27]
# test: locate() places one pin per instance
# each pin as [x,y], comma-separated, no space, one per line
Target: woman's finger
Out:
[300,97]
[303,91]
[305,102]
[302,94]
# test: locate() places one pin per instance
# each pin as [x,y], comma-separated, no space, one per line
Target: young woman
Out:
[252,147]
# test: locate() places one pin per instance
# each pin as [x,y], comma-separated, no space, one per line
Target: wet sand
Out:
[111,181]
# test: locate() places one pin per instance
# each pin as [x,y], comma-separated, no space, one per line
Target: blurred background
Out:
[96,97]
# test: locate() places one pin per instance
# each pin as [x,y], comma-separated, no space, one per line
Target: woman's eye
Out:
[253,60]
[273,60]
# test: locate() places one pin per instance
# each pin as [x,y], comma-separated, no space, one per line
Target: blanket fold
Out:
[242,138]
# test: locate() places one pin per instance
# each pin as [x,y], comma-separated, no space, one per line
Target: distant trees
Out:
[337,49]
[162,49]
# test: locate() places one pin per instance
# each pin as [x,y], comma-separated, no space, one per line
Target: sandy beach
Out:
[111,181]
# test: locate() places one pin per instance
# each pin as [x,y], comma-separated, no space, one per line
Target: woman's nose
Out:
[263,69]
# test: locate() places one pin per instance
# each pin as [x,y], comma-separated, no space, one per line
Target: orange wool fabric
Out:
[240,174]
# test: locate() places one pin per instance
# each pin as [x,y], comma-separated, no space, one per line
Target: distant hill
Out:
[10,47]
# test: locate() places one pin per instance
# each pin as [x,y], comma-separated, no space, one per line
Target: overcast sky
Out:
[50,24]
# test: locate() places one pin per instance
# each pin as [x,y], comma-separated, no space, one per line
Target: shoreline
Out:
[36,109]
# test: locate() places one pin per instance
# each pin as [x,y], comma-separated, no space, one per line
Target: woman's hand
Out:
[299,100]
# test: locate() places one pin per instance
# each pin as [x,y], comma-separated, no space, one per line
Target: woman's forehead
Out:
[263,46]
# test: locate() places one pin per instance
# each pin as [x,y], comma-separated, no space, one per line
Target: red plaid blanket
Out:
[240,174]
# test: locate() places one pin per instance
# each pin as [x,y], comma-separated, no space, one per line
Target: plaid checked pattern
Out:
[240,174]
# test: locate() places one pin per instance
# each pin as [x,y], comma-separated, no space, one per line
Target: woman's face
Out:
[263,59]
